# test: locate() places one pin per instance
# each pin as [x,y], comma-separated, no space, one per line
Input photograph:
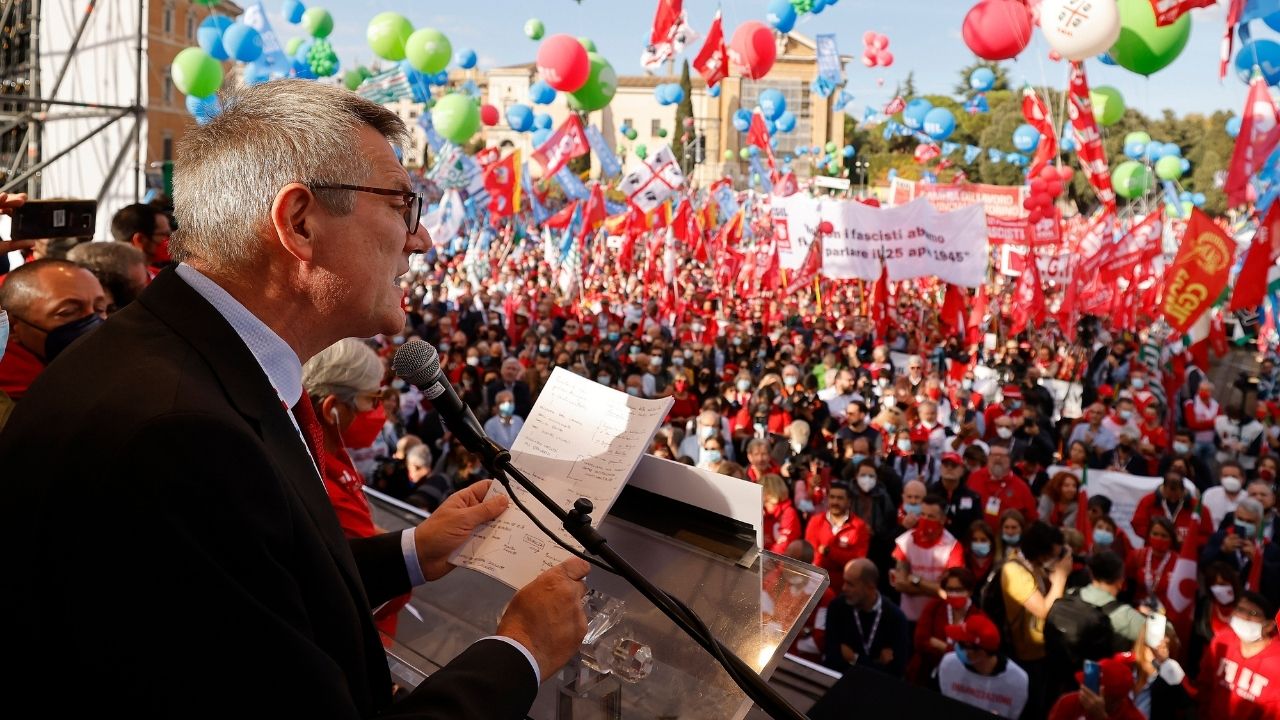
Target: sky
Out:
[924,38]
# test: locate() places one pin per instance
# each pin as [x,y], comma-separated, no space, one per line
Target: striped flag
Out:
[386,87]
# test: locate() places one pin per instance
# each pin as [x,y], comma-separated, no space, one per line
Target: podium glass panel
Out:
[756,611]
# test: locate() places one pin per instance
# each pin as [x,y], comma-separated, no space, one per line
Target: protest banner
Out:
[1006,217]
[1124,491]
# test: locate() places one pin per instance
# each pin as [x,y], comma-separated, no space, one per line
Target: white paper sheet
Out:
[582,439]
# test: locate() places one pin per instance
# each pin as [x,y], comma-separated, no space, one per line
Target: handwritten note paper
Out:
[582,439]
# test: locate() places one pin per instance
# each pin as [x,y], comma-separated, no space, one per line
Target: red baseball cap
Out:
[952,457]
[1117,677]
[976,630]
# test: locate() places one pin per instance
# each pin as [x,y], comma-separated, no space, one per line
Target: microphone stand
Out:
[577,522]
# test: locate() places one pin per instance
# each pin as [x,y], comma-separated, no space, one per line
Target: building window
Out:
[168,88]
[166,151]
[628,122]
[168,19]
[191,26]
[654,126]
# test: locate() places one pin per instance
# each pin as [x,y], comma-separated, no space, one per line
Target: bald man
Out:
[50,303]
[863,626]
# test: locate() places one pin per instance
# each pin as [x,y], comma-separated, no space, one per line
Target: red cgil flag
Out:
[1093,158]
[1259,131]
[1250,288]
[1199,272]
[879,312]
[1168,11]
[712,61]
[953,313]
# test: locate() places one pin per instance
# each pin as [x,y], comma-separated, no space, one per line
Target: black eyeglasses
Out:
[413,201]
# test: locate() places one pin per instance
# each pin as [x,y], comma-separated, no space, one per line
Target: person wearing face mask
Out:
[1000,489]
[1219,590]
[922,555]
[1223,497]
[1239,437]
[871,501]
[707,424]
[511,379]
[1240,671]
[505,424]
[50,304]
[146,228]
[1172,501]
[1183,452]
[952,606]
[1009,406]
[1114,701]
[912,460]
[1245,543]
[1123,416]
[975,671]
[963,505]
[711,456]
[837,535]
[979,552]
[1200,415]
[1095,434]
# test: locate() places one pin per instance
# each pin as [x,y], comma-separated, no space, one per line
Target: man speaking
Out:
[169,549]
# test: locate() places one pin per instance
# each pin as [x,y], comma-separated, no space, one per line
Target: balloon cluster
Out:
[1165,158]
[875,50]
[811,6]
[981,80]
[1046,187]
[668,93]
[321,58]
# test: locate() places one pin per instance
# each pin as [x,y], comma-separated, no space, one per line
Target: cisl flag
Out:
[1198,274]
[566,143]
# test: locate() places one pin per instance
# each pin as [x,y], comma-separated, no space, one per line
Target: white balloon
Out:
[1080,29]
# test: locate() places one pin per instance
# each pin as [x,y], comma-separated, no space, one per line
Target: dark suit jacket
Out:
[520,392]
[169,550]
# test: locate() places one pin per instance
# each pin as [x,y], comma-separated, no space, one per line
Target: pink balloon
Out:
[563,62]
[884,58]
[869,37]
[1054,55]
[488,115]
[752,49]
[881,42]
[997,29]
[868,59]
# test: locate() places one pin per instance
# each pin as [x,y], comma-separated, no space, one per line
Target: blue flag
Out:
[572,185]
[609,164]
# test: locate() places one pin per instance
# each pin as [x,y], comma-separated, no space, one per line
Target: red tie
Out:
[312,433]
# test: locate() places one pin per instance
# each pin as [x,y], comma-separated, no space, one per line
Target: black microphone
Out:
[418,364]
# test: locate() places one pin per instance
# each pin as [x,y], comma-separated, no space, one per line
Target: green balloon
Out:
[587,43]
[387,34]
[631,134]
[1108,104]
[317,22]
[1143,47]
[534,29]
[351,79]
[662,132]
[195,72]
[1136,138]
[600,87]
[456,117]
[365,73]
[291,46]
[428,50]
[1169,168]
[642,152]
[745,154]
[1131,179]
[833,168]
[831,148]
[728,156]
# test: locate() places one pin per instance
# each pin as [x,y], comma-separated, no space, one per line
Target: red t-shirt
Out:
[1000,495]
[346,494]
[1068,708]
[781,527]
[1233,686]
[18,369]
[834,548]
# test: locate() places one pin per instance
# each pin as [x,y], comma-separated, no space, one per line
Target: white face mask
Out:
[1231,484]
[866,483]
[1249,631]
[1224,594]
[1004,433]
[890,401]
[904,445]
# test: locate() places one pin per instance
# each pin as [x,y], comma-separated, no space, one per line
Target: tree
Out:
[906,88]
[683,110]
[962,88]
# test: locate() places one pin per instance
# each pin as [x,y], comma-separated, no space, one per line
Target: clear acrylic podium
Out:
[755,603]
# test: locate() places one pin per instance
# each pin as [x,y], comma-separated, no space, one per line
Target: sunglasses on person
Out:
[412,200]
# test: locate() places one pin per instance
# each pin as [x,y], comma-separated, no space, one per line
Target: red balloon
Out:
[825,227]
[869,59]
[1035,216]
[881,42]
[1054,187]
[1065,174]
[1054,55]
[752,50]
[1048,173]
[488,115]
[563,62]
[1029,203]
[884,58]
[869,37]
[997,29]
[1037,185]
[1042,199]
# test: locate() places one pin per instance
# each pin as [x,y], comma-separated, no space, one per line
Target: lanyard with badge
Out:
[868,640]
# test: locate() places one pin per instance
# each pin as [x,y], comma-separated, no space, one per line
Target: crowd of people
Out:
[937,480]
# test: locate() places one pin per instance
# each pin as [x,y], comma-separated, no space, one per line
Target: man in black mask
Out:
[51,303]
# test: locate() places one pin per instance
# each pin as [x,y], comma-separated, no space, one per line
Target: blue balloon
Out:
[675,93]
[771,127]
[939,123]
[302,66]
[742,119]
[1273,21]
[465,58]
[440,78]
[781,15]
[520,118]
[1198,199]
[817,6]
[786,122]
[773,143]
[203,109]
[849,151]
[1233,123]
[292,11]
[541,93]
[714,90]
[893,173]
[1171,149]
[660,94]
[1106,59]
[242,42]
[1026,138]
[913,114]
[209,36]
[540,136]
[256,73]
[772,103]
[1135,150]
[1155,151]
[1186,166]
[1265,54]
[542,121]
[753,151]
[982,79]
[802,150]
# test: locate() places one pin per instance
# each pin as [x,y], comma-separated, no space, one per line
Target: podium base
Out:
[589,695]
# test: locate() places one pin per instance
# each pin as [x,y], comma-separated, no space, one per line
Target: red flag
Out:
[1093,159]
[1037,115]
[1259,131]
[593,215]
[809,269]
[562,218]
[1250,288]
[502,181]
[1168,11]
[953,313]
[671,32]
[758,135]
[712,60]
[566,143]
[977,314]
[879,313]
[1218,335]
[1140,245]
[1234,11]
[1198,273]
[786,185]
[1028,299]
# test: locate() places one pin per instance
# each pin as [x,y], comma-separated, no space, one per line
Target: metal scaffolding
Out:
[28,104]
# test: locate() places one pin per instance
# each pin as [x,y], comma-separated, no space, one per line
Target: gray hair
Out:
[1252,506]
[112,258]
[344,368]
[228,172]
[420,456]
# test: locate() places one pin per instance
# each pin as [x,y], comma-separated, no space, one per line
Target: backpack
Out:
[1075,631]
